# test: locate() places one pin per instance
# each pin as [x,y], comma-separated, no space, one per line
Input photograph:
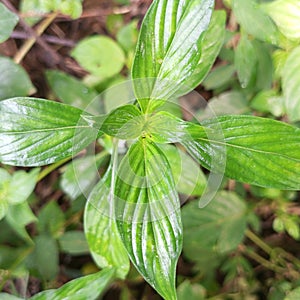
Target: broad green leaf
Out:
[8,21]
[69,89]
[291,85]
[148,216]
[101,229]
[100,55]
[18,217]
[80,175]
[217,228]
[84,288]
[127,36]
[286,14]
[169,48]
[293,295]
[37,132]
[51,220]
[74,243]
[245,60]
[255,21]
[190,291]
[14,81]
[259,151]
[188,176]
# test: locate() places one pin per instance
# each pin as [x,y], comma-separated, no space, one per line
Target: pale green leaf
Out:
[14,81]
[293,295]
[170,46]
[255,21]
[100,55]
[74,243]
[245,60]
[286,14]
[33,7]
[84,288]
[37,132]
[217,228]
[127,36]
[8,21]
[255,150]
[148,216]
[5,296]
[189,291]
[72,8]
[101,229]
[291,85]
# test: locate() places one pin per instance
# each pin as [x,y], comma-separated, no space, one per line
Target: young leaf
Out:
[37,132]
[260,151]
[14,81]
[291,85]
[148,216]
[169,48]
[255,21]
[101,229]
[84,288]
[218,227]
[8,21]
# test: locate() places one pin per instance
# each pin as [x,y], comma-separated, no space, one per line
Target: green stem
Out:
[259,242]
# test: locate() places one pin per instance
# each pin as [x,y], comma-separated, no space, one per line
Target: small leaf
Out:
[100,55]
[74,243]
[37,132]
[127,36]
[148,216]
[84,288]
[72,8]
[14,81]
[101,229]
[166,60]
[255,21]
[217,228]
[291,85]
[286,14]
[293,295]
[245,60]
[189,291]
[8,21]
[255,150]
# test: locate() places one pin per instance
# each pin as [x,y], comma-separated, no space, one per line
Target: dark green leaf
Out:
[170,47]
[148,216]
[255,21]
[291,84]
[259,151]
[85,288]
[8,21]
[74,243]
[37,132]
[14,81]
[101,229]
[217,228]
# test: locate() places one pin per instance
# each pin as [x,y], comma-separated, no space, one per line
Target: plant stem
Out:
[259,242]
[31,41]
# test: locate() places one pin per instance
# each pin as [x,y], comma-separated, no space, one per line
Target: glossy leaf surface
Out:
[85,288]
[8,21]
[37,132]
[170,46]
[148,216]
[259,151]
[101,229]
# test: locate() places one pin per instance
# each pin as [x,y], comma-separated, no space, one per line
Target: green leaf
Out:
[80,175]
[8,21]
[148,215]
[74,243]
[18,217]
[84,288]
[14,81]
[5,178]
[166,60]
[189,291]
[100,55]
[217,228]
[255,21]
[5,296]
[188,177]
[293,295]
[286,14]
[259,151]
[69,89]
[291,85]
[101,229]
[127,36]
[72,8]
[245,60]
[37,132]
